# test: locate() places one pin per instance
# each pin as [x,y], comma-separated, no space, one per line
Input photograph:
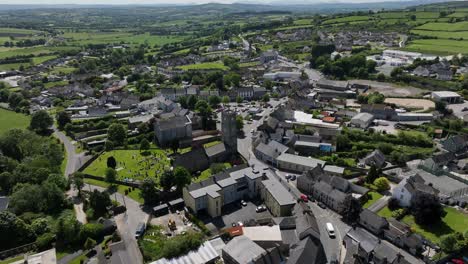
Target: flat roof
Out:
[263,233]
[306,161]
[279,192]
[307,119]
[446,94]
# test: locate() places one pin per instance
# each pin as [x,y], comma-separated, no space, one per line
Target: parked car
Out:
[287,177]
[243,203]
[140,230]
[240,223]
[321,205]
[293,178]
[311,198]
[261,208]
[304,198]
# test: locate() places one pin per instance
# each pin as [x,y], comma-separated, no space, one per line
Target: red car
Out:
[304,198]
[458,261]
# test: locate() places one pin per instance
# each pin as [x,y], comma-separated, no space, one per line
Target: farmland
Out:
[85,38]
[205,66]
[10,120]
[451,27]
[438,46]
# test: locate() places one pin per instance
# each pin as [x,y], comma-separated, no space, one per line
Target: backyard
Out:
[132,164]
[373,197]
[453,221]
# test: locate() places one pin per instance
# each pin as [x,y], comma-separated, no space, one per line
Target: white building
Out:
[447,96]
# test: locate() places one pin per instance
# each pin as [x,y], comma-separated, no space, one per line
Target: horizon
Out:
[188,2]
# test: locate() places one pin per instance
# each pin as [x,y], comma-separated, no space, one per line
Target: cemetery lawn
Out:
[131,164]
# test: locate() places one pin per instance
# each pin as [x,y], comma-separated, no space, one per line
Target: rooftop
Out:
[279,192]
[306,161]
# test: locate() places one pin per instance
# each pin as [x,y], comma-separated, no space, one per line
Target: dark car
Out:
[321,205]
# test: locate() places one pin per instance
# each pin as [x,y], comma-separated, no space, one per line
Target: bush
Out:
[89,243]
[45,241]
[382,184]
[399,213]
[94,231]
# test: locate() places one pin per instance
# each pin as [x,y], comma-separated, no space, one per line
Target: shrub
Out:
[45,241]
[399,213]
[393,204]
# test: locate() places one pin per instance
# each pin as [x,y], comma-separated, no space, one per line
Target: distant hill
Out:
[296,6]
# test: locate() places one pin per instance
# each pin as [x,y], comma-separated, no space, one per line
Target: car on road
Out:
[304,198]
[240,223]
[260,208]
[465,109]
[321,205]
[311,198]
[293,178]
[330,230]
[243,203]
[287,176]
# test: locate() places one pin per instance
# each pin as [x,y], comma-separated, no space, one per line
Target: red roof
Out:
[328,119]
[235,231]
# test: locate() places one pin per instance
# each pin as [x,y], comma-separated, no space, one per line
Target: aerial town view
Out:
[236,132]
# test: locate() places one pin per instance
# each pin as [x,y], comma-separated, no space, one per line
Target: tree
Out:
[382,184]
[63,118]
[27,198]
[350,210]
[117,134]
[426,208]
[239,99]
[372,175]
[144,145]
[111,175]
[239,122]
[15,232]
[181,177]
[448,243]
[89,243]
[205,111]
[149,192]
[111,162]
[41,121]
[217,168]
[225,100]
[214,100]
[68,228]
[266,98]
[78,181]
[183,101]
[166,180]
[99,202]
[14,100]
[191,102]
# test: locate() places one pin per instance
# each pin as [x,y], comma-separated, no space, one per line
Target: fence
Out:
[17,250]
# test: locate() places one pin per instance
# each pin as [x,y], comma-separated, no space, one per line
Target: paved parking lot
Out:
[235,213]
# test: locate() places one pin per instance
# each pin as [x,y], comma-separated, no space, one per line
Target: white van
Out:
[330,230]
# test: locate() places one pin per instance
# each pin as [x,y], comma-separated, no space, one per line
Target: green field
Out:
[37,51]
[131,164]
[10,120]
[347,19]
[35,61]
[441,34]
[84,38]
[460,26]
[4,30]
[205,66]
[438,46]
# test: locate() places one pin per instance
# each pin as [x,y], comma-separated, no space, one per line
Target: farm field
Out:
[38,50]
[438,46]
[347,19]
[460,26]
[35,61]
[204,66]
[10,120]
[131,164]
[441,34]
[85,38]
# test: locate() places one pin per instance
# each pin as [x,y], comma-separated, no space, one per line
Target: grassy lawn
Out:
[210,144]
[135,195]
[374,196]
[207,173]
[453,221]
[438,46]
[131,164]
[205,66]
[10,120]
[54,84]
[11,260]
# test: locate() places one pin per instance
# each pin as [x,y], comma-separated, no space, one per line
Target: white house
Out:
[409,187]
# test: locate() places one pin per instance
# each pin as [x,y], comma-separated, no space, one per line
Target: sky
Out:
[126,2]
